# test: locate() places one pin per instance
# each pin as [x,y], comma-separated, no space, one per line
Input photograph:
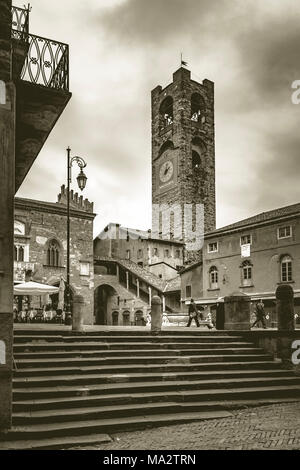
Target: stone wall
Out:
[45,222]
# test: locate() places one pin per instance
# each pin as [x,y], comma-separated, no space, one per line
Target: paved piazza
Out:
[275,427]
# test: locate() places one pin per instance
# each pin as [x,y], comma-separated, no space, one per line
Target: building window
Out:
[247,273]
[286,269]
[197,108]
[188,291]
[213,247]
[284,232]
[214,278]
[166,112]
[19,228]
[140,254]
[128,254]
[155,252]
[53,254]
[84,269]
[19,253]
[246,240]
[196,160]
[167,253]
[141,264]
[178,253]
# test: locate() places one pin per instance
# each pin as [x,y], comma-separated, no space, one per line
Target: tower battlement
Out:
[76,201]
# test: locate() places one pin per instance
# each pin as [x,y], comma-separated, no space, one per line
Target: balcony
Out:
[41,75]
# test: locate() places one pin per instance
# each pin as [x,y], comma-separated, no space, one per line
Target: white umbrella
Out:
[34,288]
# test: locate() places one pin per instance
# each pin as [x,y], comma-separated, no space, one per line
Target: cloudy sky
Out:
[121,49]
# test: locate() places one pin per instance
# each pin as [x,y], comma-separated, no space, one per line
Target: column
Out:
[7,191]
[138,288]
[150,295]
[164,304]
[127,280]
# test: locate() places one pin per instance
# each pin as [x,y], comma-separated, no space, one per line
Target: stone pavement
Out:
[275,427]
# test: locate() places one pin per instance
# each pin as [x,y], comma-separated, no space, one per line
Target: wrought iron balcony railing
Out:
[20,19]
[47,61]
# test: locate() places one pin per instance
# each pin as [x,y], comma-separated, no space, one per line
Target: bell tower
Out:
[183,146]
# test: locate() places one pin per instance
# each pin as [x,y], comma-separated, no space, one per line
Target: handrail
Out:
[47,61]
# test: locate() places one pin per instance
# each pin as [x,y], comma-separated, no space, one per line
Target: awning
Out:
[34,288]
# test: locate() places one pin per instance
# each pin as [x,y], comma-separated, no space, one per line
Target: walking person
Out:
[260,314]
[193,314]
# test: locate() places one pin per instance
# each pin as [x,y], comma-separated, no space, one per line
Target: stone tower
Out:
[183,149]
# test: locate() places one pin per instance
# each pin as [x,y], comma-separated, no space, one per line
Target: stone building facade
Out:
[252,256]
[183,155]
[40,248]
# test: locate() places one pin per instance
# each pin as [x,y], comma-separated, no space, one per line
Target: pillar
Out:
[138,288]
[150,295]
[127,280]
[164,303]
[286,323]
[156,315]
[7,191]
[78,313]
[237,311]
[285,308]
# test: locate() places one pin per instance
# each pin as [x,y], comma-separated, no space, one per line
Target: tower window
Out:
[128,254]
[53,254]
[166,112]
[197,108]
[196,160]
[155,252]
[214,277]
[286,269]
[140,254]
[188,291]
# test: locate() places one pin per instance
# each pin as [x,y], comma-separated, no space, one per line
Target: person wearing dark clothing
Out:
[193,314]
[260,315]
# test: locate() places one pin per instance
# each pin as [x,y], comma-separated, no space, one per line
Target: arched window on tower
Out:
[214,277]
[286,269]
[53,254]
[196,160]
[197,108]
[166,112]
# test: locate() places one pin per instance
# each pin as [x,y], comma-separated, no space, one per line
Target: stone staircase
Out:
[72,389]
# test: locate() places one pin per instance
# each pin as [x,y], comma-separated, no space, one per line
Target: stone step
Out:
[134,374]
[78,428]
[24,418]
[74,366]
[129,339]
[53,443]
[96,378]
[31,393]
[114,331]
[84,400]
[88,358]
[130,349]
[106,346]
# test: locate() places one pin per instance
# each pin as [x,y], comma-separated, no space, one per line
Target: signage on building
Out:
[246,251]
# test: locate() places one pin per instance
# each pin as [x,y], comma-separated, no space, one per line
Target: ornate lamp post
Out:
[81,180]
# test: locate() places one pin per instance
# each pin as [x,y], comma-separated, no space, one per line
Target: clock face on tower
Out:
[166,171]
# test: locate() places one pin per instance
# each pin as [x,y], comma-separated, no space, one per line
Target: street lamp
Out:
[81,180]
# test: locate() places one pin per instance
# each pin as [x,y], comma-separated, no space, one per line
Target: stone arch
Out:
[104,294]
[166,112]
[54,253]
[168,145]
